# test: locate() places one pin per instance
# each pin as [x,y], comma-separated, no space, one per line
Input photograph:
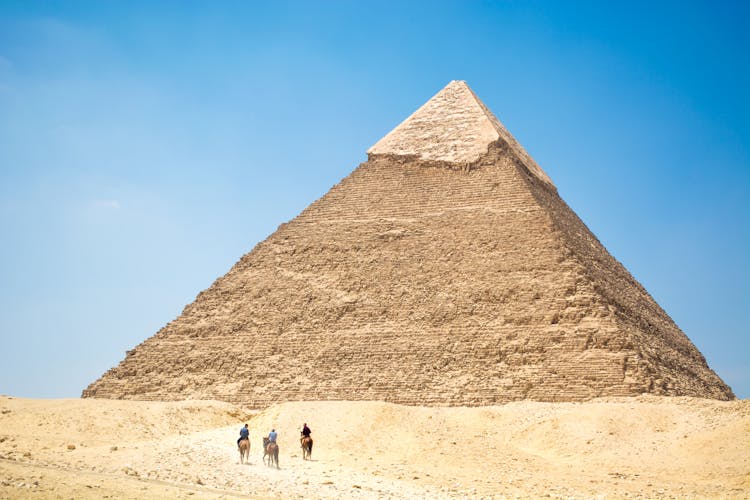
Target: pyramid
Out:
[445,270]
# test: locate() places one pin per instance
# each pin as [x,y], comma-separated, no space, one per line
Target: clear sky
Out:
[145,146]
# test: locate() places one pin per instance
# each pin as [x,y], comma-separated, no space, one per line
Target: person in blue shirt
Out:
[272,436]
[244,434]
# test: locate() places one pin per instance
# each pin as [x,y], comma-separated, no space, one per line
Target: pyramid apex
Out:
[454,126]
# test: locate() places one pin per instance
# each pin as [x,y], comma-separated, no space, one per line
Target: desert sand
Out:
[646,446]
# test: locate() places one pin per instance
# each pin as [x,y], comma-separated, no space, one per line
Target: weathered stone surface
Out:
[454,127]
[424,277]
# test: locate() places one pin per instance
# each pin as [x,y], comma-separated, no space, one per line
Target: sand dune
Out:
[618,447]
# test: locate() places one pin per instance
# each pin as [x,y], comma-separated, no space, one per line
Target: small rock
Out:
[71,447]
[130,472]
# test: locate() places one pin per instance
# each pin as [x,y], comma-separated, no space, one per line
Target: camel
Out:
[270,450]
[244,450]
[306,443]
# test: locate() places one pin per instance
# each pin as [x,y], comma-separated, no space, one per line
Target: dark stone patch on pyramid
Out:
[445,270]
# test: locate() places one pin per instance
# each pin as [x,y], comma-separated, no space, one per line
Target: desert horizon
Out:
[642,447]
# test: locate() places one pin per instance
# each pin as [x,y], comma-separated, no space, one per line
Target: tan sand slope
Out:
[642,446]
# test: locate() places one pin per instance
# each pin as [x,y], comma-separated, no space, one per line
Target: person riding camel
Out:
[306,442]
[244,434]
[272,436]
[305,431]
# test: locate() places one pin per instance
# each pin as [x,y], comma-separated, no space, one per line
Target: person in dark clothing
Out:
[306,442]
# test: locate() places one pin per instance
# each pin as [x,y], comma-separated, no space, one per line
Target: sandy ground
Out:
[616,447]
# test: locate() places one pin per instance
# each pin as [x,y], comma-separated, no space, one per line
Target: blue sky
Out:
[146,146]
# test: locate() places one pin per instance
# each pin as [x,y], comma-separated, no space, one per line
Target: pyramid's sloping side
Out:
[455,127]
[670,361]
[423,285]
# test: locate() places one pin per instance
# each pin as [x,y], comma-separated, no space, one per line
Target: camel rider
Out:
[272,436]
[305,431]
[244,434]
